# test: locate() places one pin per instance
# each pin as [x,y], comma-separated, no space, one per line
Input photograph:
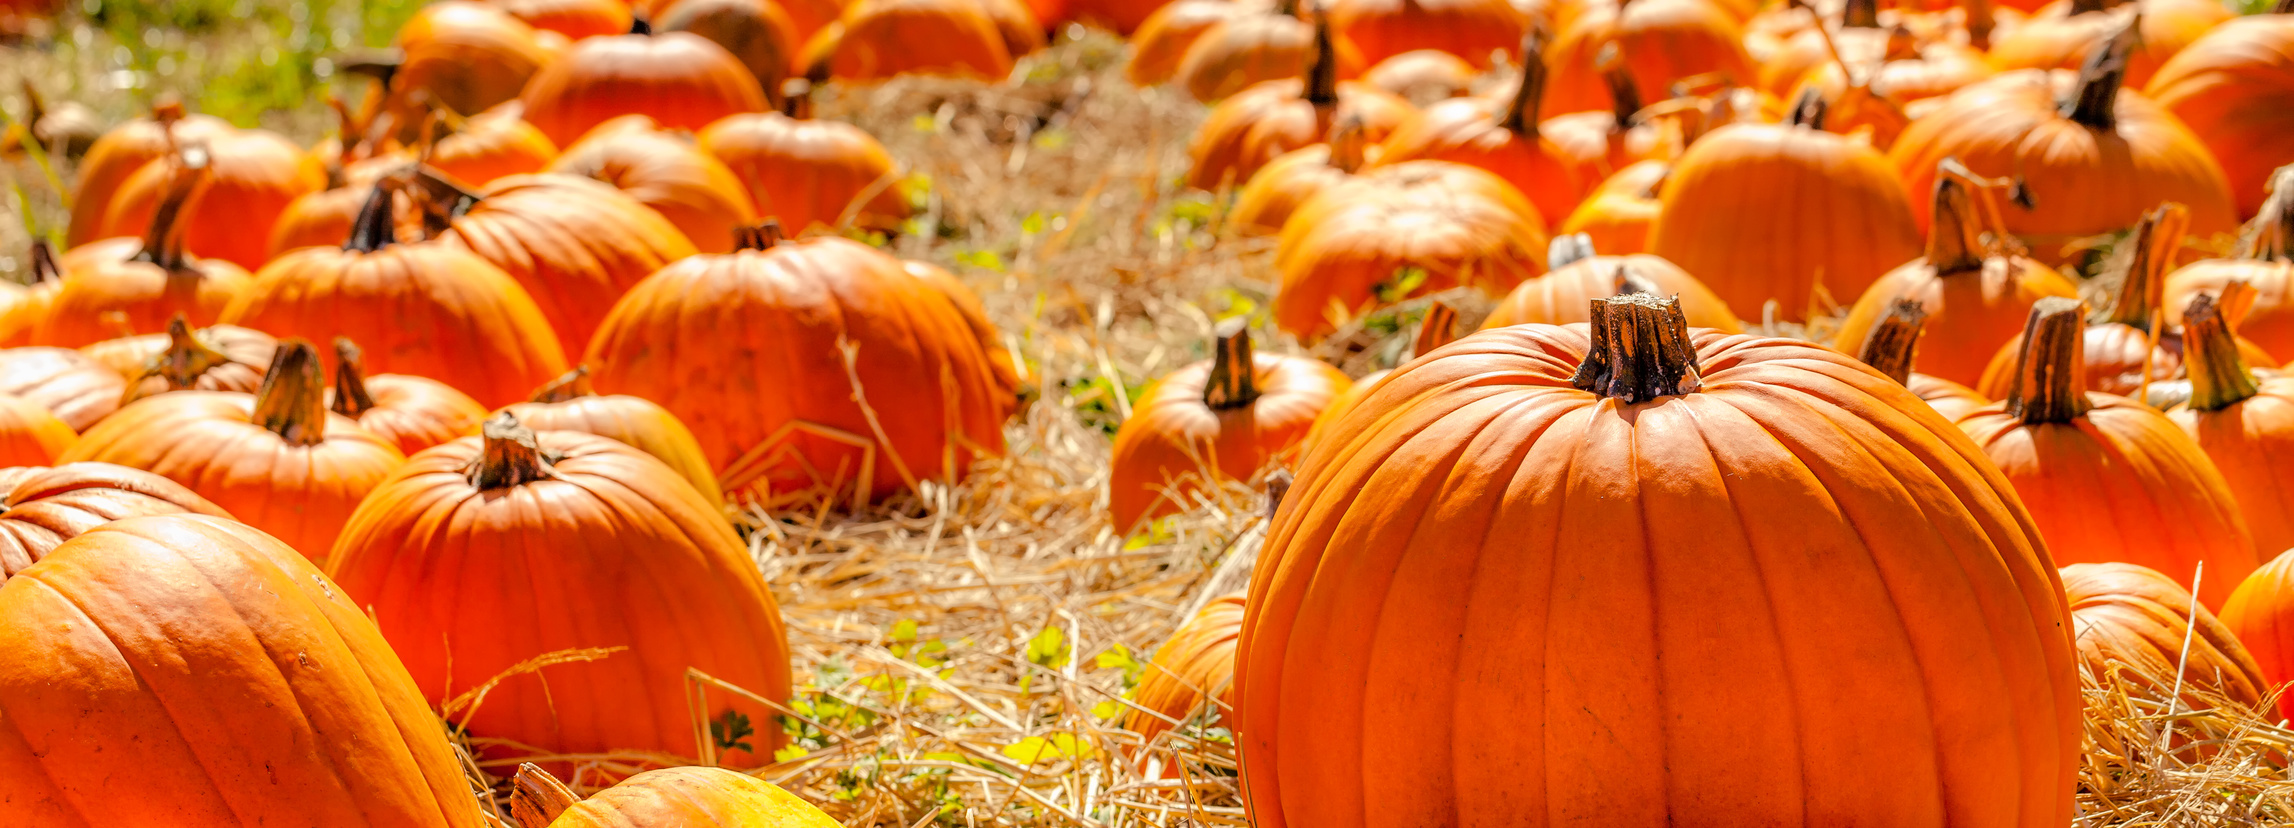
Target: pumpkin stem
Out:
[292,401]
[185,360]
[373,230]
[1520,116]
[796,98]
[1809,110]
[2283,7]
[512,457]
[1624,97]
[570,385]
[761,237]
[638,25]
[440,198]
[2051,370]
[1286,8]
[1980,21]
[537,798]
[1322,74]
[2150,253]
[1860,14]
[1347,144]
[351,397]
[1955,238]
[163,242]
[1439,328]
[2094,102]
[45,268]
[2270,236]
[1233,382]
[1640,350]
[1568,249]
[1894,341]
[2079,7]
[2219,375]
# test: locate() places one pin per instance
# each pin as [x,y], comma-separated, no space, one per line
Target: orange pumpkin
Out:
[426,309]
[1438,328]
[133,285]
[1893,346]
[43,507]
[1603,142]
[1976,292]
[1244,132]
[876,40]
[2060,34]
[2090,168]
[493,145]
[569,404]
[226,681]
[1412,228]
[1618,213]
[1470,29]
[1223,419]
[576,19]
[1164,37]
[669,796]
[2240,420]
[2264,260]
[2140,623]
[30,436]
[2107,478]
[1236,54]
[780,417]
[2230,87]
[1662,42]
[1499,136]
[1647,533]
[77,389]
[1267,201]
[125,149]
[1576,276]
[412,413]
[802,171]
[1192,675]
[1784,213]
[275,458]
[757,32]
[219,358]
[251,177]
[1422,76]
[636,559]
[2261,615]
[679,79]
[324,218]
[462,55]
[1122,16]
[667,172]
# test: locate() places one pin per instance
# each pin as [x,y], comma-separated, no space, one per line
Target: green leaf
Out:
[790,754]
[1034,749]
[1405,281]
[903,630]
[1048,648]
[1033,224]
[982,259]
[731,730]
[1109,709]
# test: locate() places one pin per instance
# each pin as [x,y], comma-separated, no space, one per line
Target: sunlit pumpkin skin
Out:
[122,151]
[46,506]
[756,32]
[1661,41]
[2137,622]
[2060,34]
[1193,674]
[2244,423]
[1413,228]
[1948,398]
[1121,16]
[693,796]
[1437,328]
[1565,294]
[78,390]
[2263,260]
[576,19]
[1764,212]
[1267,201]
[680,80]
[879,39]
[1163,38]
[570,405]
[1977,296]
[636,558]
[467,56]
[491,146]
[135,284]
[1911,75]
[1569,580]
[1500,136]
[667,172]
[803,171]
[1208,423]
[1236,54]
[1244,132]
[30,436]
[768,412]
[2107,478]
[1422,76]
[1470,29]
[1619,211]
[412,413]
[218,358]
[226,683]
[2230,88]
[251,177]
[324,218]
[1023,34]
[2261,615]
[427,309]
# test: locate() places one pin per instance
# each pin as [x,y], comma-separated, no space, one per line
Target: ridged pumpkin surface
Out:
[2231,88]
[2261,614]
[693,797]
[79,390]
[29,435]
[1198,661]
[1177,440]
[679,79]
[569,405]
[47,506]
[2123,614]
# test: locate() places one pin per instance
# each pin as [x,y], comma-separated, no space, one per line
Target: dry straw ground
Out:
[962,653]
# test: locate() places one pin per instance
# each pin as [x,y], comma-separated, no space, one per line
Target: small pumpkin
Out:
[412,413]
[569,404]
[134,285]
[490,146]
[679,79]
[2264,259]
[43,507]
[324,218]
[1423,76]
[218,358]
[463,55]
[876,40]
[669,796]
[1223,419]
[1662,42]
[1192,675]
[124,149]
[251,177]
[757,32]
[78,390]
[667,172]
[1892,348]
[2240,420]
[1236,54]
[1266,202]
[1162,40]
[1244,132]
[1501,137]
[1576,275]
[2141,624]
[1619,211]
[802,171]
[2230,88]
[2107,478]
[1470,29]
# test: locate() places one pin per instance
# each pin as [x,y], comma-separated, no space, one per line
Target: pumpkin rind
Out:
[668,173]
[46,506]
[696,797]
[2230,87]
[1192,673]
[29,435]
[79,390]
[1175,438]
[679,79]
[2125,616]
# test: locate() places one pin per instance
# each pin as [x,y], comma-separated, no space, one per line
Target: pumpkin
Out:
[1422,76]
[251,175]
[1911,74]
[679,79]
[822,324]
[2263,259]
[2240,420]
[30,435]
[133,285]
[1575,276]
[2060,34]
[1122,16]
[1661,41]
[412,413]
[1591,556]
[1192,675]
[1236,54]
[77,389]
[667,172]
[569,404]
[1784,213]
[2091,167]
[756,32]
[125,149]
[1501,137]
[574,244]
[1244,132]
[1976,292]
[878,39]
[132,356]
[1412,228]
[2137,622]
[2230,88]
[802,171]
[1267,201]
[426,309]
[276,458]
[1617,214]
[1914,62]
[1893,346]
[1604,142]
[492,145]
[1227,418]
[576,19]
[2260,614]
[669,796]
[1438,328]
[1470,29]
[2107,478]
[324,218]
[226,681]
[636,559]
[1023,34]
[1164,37]
[43,507]
[465,56]
[219,358]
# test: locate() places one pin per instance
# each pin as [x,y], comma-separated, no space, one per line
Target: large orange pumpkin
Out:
[569,404]
[1499,136]
[779,414]
[491,145]
[669,796]
[1244,132]
[219,358]
[876,40]
[2231,87]
[2060,34]
[1977,292]
[251,177]
[462,55]
[187,670]
[43,507]
[134,285]
[667,172]
[2263,260]
[1470,29]
[77,389]
[324,218]
[2107,478]
[2142,624]
[2261,614]
[1662,43]
[1423,76]
[412,413]
[1593,558]
[1164,37]
[679,79]
[1223,419]
[802,171]
[757,32]
[1235,54]
[2244,423]
[424,308]
[1577,276]
[125,149]
[635,559]
[1192,675]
